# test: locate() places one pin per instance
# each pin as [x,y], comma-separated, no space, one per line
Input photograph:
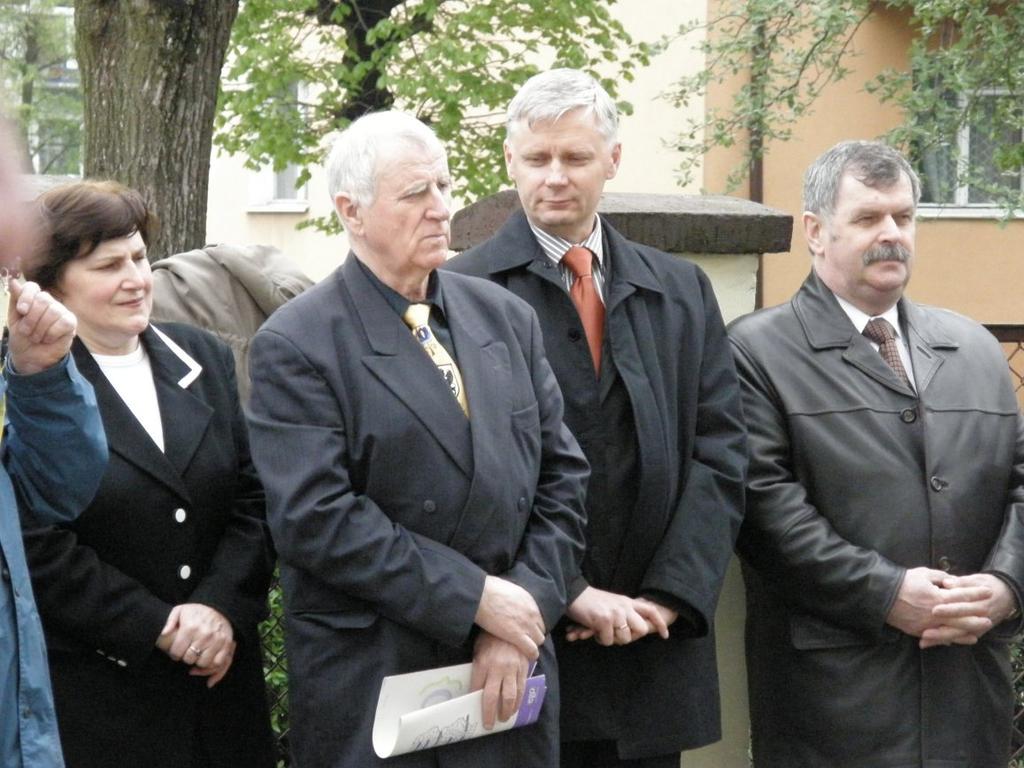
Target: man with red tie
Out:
[637,344]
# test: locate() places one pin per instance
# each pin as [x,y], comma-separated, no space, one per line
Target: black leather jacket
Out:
[854,478]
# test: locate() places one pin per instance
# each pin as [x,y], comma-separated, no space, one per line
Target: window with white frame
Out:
[273,191]
[962,173]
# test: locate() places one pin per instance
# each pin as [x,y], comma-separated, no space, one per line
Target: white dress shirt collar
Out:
[554,247]
[861,319]
[892,315]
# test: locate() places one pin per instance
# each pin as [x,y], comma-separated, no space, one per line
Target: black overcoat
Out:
[389,508]
[186,525]
[667,340]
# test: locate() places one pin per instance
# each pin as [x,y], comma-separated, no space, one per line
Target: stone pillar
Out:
[726,237]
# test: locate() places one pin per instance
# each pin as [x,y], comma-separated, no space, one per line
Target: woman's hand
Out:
[200,637]
[214,675]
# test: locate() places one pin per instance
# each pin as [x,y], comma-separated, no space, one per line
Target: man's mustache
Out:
[887,252]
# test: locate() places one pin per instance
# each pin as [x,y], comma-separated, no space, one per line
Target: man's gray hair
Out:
[872,163]
[544,98]
[355,157]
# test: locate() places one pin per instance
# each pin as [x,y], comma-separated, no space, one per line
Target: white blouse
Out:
[132,377]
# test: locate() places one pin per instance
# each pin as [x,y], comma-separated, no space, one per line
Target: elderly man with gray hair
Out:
[424,496]
[638,345]
[884,538]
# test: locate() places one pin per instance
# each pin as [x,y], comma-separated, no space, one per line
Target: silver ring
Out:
[623,626]
[195,650]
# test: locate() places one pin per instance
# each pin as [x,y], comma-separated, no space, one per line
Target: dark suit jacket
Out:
[106,582]
[389,508]
[665,338]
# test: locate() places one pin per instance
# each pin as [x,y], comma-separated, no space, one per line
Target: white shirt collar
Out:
[861,319]
[554,247]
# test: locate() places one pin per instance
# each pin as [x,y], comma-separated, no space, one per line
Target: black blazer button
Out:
[909,415]
[937,483]
[429,506]
[522,502]
[945,564]
[574,334]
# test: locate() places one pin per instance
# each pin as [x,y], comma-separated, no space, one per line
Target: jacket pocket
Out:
[809,633]
[353,619]
[526,419]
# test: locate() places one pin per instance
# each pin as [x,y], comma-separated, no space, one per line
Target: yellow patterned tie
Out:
[416,317]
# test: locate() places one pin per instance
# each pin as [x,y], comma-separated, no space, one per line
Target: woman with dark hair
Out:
[150,600]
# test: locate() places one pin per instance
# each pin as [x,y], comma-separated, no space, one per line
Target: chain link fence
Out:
[1011,337]
[275,670]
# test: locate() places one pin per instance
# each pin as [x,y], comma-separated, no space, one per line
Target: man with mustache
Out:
[884,540]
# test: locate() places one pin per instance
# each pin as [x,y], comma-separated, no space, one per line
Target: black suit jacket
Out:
[106,582]
[389,508]
[667,343]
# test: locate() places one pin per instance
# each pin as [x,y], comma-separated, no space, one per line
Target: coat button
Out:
[5,573]
[945,564]
[937,483]
[180,515]
[429,506]
[574,334]
[909,415]
[522,502]
[184,572]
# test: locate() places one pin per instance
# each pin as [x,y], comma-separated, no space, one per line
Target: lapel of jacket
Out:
[926,340]
[630,334]
[485,365]
[827,326]
[627,269]
[398,361]
[184,418]
[515,247]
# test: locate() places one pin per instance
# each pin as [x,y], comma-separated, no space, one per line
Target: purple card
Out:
[533,698]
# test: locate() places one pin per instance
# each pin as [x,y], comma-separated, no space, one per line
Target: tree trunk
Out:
[150,75]
[28,85]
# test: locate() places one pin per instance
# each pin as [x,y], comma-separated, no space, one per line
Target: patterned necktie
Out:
[584,295]
[416,317]
[880,332]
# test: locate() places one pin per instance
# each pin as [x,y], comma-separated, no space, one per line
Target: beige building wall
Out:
[971,265]
[231,218]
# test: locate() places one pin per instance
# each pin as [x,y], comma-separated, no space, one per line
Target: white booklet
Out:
[434,707]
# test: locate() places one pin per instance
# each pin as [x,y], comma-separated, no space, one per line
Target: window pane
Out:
[984,143]
[284,183]
[937,168]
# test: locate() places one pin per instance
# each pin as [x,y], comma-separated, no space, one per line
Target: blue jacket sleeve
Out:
[54,446]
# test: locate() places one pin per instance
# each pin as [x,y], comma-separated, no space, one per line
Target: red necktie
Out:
[584,295]
[882,333]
